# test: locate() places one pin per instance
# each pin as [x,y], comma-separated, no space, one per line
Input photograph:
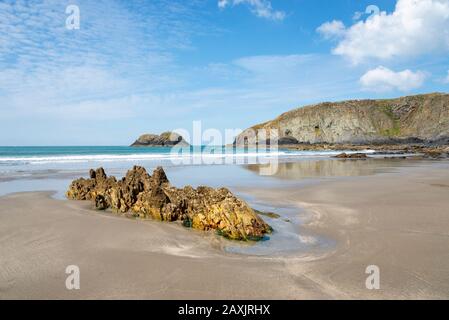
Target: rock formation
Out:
[352,156]
[140,195]
[413,119]
[166,139]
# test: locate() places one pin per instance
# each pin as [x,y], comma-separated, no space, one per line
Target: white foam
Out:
[164,156]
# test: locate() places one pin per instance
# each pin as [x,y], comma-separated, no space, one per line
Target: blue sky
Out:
[149,66]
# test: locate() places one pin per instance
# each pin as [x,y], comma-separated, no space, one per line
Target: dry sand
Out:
[397,221]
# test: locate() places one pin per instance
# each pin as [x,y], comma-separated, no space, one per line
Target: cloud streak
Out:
[121,48]
[260,8]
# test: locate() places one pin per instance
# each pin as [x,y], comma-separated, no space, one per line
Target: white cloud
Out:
[333,29]
[261,8]
[414,28]
[447,77]
[222,3]
[383,79]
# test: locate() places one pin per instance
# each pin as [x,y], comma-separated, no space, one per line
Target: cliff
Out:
[420,118]
[166,139]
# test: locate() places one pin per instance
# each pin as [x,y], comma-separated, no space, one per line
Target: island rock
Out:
[166,139]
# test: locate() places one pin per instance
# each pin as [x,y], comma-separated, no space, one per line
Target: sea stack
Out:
[166,139]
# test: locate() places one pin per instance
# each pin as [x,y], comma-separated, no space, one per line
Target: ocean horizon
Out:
[47,155]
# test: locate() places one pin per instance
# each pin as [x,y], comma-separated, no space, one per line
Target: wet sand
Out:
[397,221]
[123,258]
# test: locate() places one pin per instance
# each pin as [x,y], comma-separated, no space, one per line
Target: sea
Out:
[26,160]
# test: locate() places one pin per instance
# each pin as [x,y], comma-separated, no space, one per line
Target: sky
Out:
[133,66]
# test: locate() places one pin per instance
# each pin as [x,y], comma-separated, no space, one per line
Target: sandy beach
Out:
[398,221]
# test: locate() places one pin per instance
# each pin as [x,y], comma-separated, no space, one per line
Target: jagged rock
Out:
[100,202]
[219,209]
[83,189]
[351,156]
[140,195]
[80,189]
[136,181]
[159,177]
[97,174]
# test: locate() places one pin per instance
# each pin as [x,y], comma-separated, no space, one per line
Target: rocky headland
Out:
[166,139]
[418,123]
[141,195]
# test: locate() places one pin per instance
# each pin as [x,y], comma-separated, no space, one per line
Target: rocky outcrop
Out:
[413,119]
[436,154]
[140,195]
[166,139]
[351,156]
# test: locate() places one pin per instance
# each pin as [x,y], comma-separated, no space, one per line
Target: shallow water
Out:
[288,236]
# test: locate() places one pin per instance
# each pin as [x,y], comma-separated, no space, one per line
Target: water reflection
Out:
[329,168]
